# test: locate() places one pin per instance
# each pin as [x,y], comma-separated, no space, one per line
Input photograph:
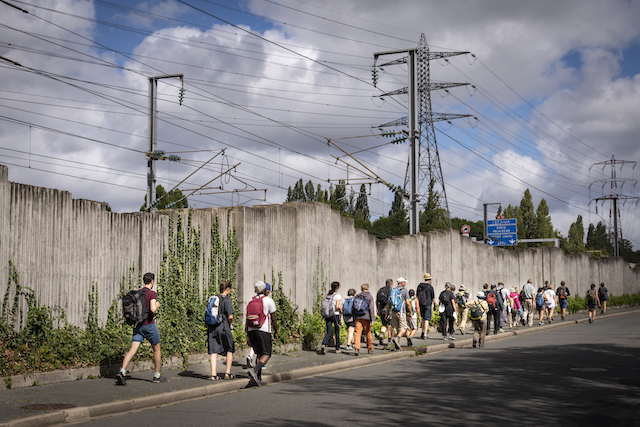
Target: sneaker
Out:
[371,351]
[451,337]
[409,342]
[562,318]
[501,330]
[475,343]
[395,343]
[121,379]
[349,347]
[159,379]
[381,343]
[461,331]
[322,351]
[254,379]
[540,323]
[357,352]
[249,362]
[338,351]
[590,320]
[549,321]
[423,336]
[445,338]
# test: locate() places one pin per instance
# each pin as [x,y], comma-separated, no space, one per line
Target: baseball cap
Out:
[401,279]
[268,287]
[260,287]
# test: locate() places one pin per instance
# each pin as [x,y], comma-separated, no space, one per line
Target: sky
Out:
[552,95]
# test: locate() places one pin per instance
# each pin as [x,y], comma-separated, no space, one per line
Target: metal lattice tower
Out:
[425,153]
[614,196]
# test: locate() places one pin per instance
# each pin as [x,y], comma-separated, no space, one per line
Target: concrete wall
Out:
[61,246]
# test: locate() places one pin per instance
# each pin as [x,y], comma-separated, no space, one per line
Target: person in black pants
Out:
[493,301]
[446,299]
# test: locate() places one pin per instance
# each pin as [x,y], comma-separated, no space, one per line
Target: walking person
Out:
[347,316]
[493,302]
[529,293]
[563,293]
[147,330]
[603,296]
[382,301]
[447,299]
[592,300]
[550,302]
[397,309]
[426,296]
[540,305]
[412,321]
[462,297]
[364,315]
[478,311]
[331,309]
[516,309]
[260,324]
[505,310]
[219,336]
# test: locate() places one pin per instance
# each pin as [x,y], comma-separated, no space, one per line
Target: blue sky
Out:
[555,91]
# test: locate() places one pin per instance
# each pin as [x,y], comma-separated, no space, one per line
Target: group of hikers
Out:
[400,310]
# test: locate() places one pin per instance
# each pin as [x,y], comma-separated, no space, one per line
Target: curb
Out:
[122,406]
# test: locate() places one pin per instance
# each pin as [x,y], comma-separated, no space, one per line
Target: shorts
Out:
[149,332]
[593,306]
[563,303]
[425,312]
[399,321]
[260,342]
[351,324]
[539,307]
[412,323]
[383,318]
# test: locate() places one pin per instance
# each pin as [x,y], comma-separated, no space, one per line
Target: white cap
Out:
[260,287]
[401,279]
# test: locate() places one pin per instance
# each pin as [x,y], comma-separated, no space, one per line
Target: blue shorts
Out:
[563,302]
[593,306]
[149,332]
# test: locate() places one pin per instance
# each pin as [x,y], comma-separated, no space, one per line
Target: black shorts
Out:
[425,312]
[260,342]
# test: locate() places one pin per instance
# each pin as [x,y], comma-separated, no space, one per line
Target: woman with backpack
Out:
[331,309]
[540,305]
[593,301]
[550,302]
[347,316]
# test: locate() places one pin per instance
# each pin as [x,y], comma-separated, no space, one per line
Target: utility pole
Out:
[424,160]
[153,154]
[614,196]
[486,231]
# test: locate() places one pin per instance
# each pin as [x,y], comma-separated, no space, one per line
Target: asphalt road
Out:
[585,374]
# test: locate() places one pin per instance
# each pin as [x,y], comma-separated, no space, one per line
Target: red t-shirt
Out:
[149,294]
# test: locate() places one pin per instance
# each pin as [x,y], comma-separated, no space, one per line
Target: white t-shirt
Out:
[549,298]
[336,298]
[268,307]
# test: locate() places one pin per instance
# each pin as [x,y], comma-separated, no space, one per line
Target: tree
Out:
[477,228]
[598,239]
[396,224]
[528,218]
[575,238]
[544,226]
[339,199]
[433,217]
[298,193]
[174,200]
[362,214]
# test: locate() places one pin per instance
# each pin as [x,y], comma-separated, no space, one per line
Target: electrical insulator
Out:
[374,77]
[173,158]
[181,95]
[399,140]
[157,154]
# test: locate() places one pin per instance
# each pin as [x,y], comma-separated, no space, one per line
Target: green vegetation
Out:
[174,200]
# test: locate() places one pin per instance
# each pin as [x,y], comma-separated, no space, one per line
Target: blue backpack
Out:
[211,316]
[360,306]
[347,307]
[539,300]
[396,299]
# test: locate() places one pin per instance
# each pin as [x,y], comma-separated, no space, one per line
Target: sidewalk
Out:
[84,399]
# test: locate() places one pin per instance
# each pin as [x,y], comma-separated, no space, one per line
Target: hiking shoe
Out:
[475,343]
[423,336]
[249,362]
[461,331]
[381,343]
[322,351]
[121,379]
[371,351]
[451,337]
[254,379]
[357,352]
[159,379]
[395,343]
[409,342]
[590,320]
[338,351]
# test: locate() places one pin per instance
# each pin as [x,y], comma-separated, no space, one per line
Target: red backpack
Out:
[255,313]
[491,299]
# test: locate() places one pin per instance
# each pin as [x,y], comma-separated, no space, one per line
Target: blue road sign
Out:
[502,232]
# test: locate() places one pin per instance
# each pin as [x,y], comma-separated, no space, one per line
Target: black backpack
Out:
[382,298]
[422,293]
[134,307]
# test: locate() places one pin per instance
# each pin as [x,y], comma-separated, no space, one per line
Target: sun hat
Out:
[401,279]
[481,295]
[427,276]
[462,288]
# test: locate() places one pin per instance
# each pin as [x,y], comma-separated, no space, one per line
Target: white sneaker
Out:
[349,347]
[249,362]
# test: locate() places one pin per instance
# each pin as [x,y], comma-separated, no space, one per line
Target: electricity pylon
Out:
[614,196]
[424,160]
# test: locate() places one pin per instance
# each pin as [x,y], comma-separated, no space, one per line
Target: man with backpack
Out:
[398,308]
[603,295]
[147,329]
[593,301]
[382,300]
[527,296]
[446,308]
[364,315]
[462,297]
[219,335]
[493,302]
[425,295]
[347,316]
[562,293]
[478,310]
[260,323]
